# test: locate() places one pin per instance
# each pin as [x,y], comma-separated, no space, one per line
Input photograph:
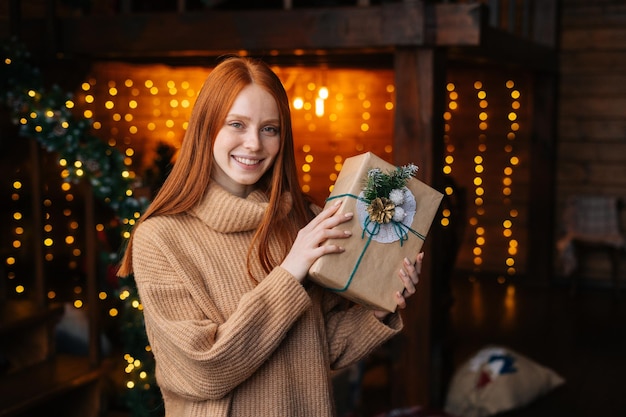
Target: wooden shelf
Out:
[21,314]
[35,386]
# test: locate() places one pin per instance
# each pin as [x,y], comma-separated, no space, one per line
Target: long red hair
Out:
[189,179]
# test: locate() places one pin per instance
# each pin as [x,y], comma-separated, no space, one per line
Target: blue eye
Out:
[271,130]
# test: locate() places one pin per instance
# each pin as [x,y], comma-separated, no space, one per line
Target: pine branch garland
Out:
[379,184]
[47,116]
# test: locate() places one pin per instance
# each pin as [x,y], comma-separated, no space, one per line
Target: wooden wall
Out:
[592,101]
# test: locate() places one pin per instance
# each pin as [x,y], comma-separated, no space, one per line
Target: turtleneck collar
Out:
[228,213]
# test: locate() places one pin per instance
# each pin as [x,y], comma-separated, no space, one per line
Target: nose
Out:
[252,140]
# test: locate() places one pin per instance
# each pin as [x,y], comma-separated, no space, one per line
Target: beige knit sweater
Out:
[226,347]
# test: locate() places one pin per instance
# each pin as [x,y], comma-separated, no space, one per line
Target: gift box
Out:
[393,212]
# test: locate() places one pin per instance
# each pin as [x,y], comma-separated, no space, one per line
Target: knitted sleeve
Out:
[353,331]
[200,355]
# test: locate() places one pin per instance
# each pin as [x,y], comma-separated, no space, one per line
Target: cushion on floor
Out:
[497,379]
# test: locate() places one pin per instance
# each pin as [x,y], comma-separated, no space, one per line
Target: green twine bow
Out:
[400,229]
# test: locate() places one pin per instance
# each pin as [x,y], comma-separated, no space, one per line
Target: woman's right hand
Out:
[307,247]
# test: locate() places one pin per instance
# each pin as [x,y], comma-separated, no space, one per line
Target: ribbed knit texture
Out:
[227,347]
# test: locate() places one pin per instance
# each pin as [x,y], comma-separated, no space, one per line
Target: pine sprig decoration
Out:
[379,184]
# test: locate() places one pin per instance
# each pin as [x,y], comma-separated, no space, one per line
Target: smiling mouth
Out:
[246,161]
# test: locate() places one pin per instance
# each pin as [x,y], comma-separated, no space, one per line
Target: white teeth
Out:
[246,161]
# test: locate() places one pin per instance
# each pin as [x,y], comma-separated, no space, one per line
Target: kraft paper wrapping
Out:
[367,272]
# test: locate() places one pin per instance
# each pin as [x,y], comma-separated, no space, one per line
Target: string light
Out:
[452,97]
[510,261]
[479,190]
[18,231]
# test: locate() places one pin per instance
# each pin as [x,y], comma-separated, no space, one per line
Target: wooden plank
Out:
[572,173]
[26,332]
[545,17]
[593,94]
[571,188]
[594,176]
[597,83]
[590,39]
[46,382]
[542,179]
[573,128]
[605,108]
[606,62]
[325,31]
[455,24]
[20,314]
[411,369]
[474,28]
[614,174]
[593,151]
[593,14]
[166,34]
[417,127]
[501,48]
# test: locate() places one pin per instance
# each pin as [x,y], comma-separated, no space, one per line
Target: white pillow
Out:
[497,379]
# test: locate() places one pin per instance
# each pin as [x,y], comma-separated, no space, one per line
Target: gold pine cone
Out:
[381,210]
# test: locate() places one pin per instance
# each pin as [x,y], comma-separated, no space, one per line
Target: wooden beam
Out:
[216,32]
[498,47]
[211,32]
[455,24]
[418,133]
[543,153]
[461,28]
[546,22]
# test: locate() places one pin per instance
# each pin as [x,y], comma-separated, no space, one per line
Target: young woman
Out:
[221,258]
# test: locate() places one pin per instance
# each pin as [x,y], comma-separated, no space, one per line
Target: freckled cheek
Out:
[272,159]
[273,147]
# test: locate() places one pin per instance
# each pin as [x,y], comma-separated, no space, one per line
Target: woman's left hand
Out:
[409,274]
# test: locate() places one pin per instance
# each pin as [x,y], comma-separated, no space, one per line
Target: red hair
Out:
[193,165]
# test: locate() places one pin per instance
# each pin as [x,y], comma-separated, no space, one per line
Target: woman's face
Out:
[248,142]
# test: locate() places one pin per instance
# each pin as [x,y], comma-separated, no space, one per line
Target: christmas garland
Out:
[47,117]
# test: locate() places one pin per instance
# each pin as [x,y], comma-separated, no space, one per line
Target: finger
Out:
[327,249]
[411,271]
[336,219]
[418,262]
[333,234]
[328,221]
[328,229]
[409,287]
[400,300]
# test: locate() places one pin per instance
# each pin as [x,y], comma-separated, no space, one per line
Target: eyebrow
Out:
[247,118]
